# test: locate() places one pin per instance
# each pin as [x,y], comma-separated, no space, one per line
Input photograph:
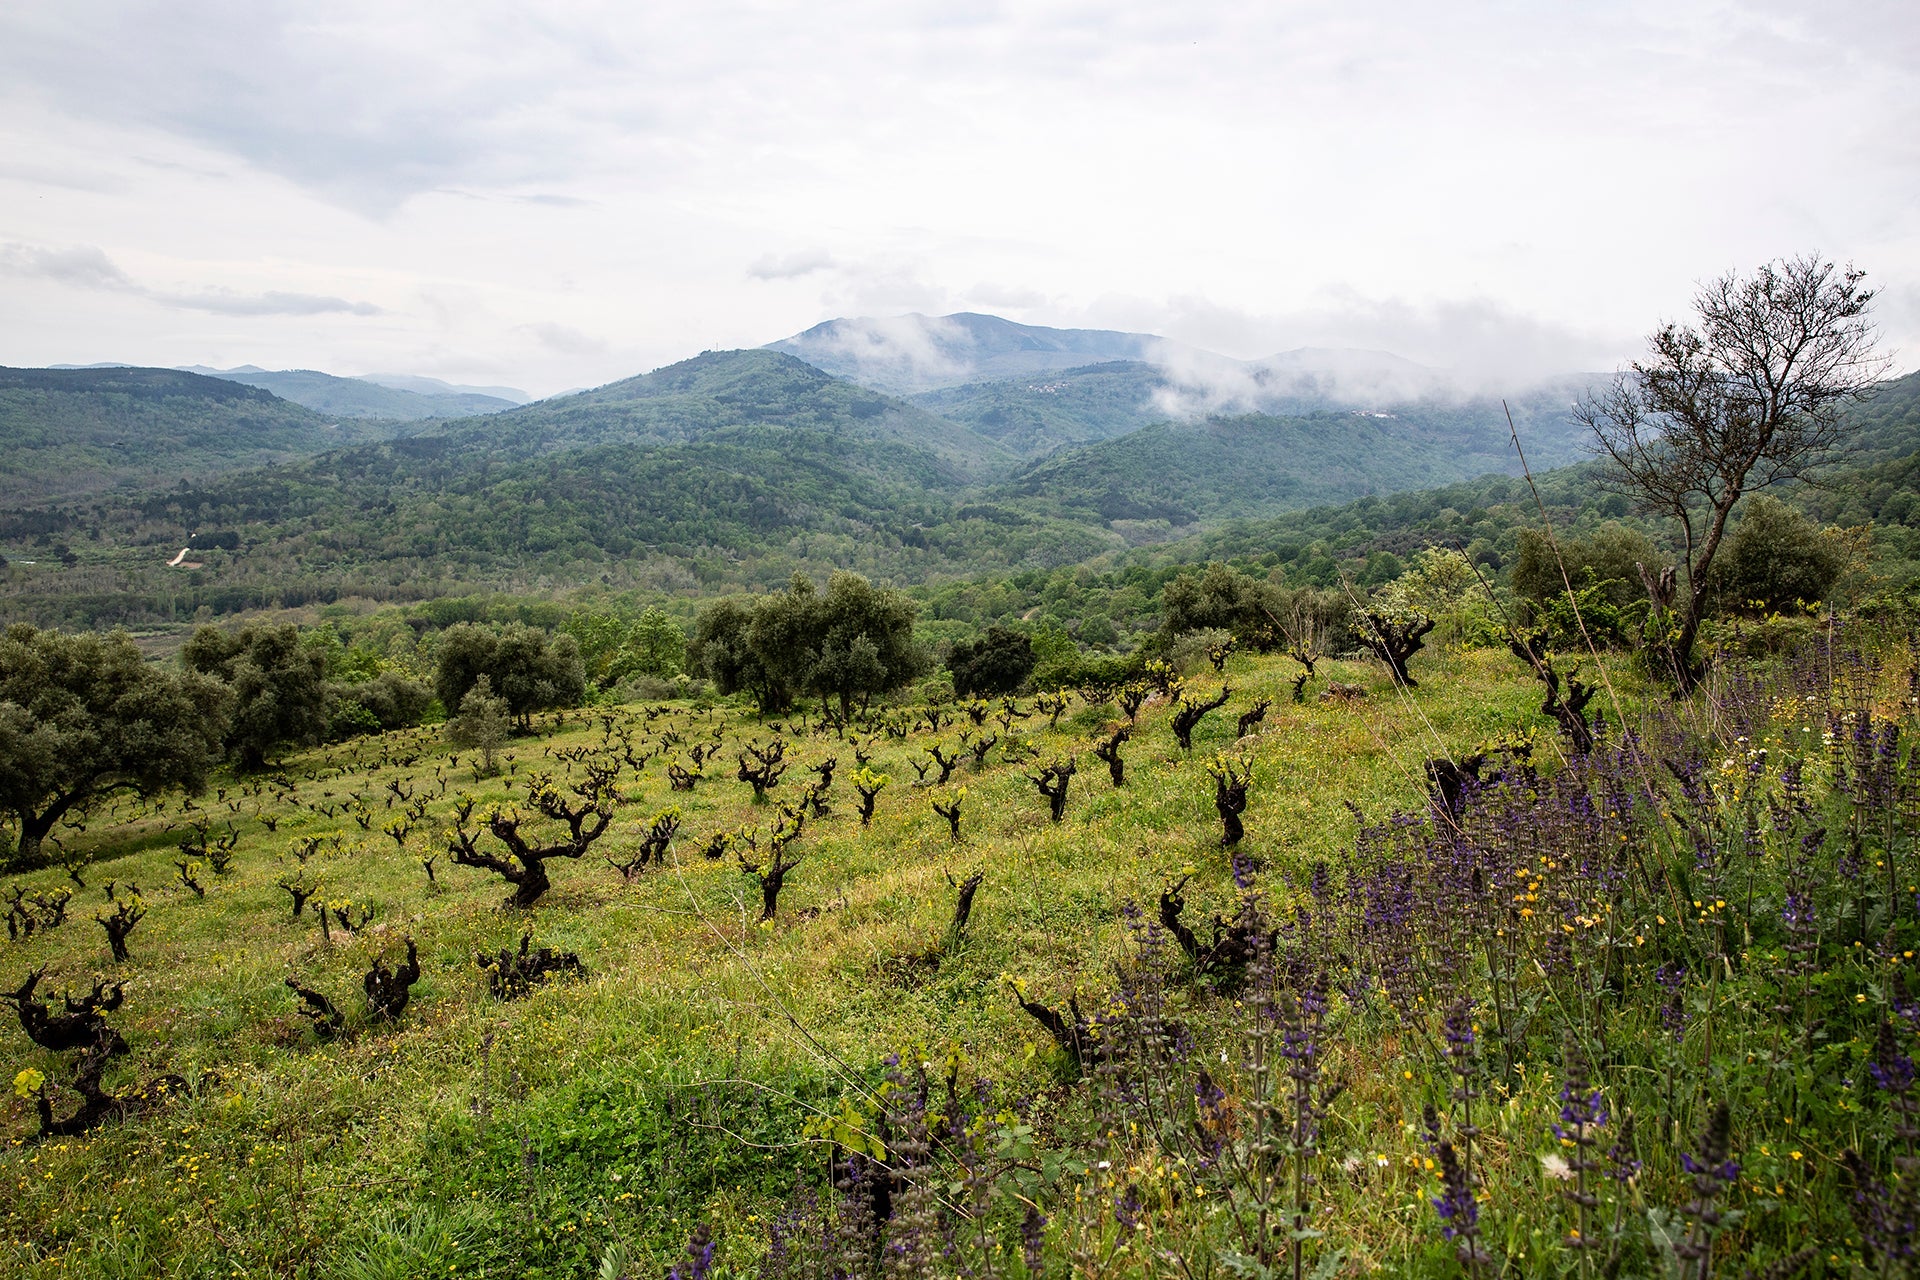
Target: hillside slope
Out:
[66,433]
[1260,465]
[717,390]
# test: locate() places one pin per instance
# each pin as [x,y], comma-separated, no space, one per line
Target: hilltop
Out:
[69,433]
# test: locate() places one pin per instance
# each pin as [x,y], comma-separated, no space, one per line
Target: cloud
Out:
[88,267]
[899,352]
[84,267]
[790,266]
[564,339]
[274,302]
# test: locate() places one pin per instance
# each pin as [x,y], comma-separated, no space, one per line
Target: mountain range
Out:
[396,397]
[732,468]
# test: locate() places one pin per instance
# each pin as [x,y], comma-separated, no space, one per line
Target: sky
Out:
[559,195]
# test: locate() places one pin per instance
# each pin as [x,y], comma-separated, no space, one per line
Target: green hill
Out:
[1258,465]
[65,433]
[1033,416]
[736,469]
[722,389]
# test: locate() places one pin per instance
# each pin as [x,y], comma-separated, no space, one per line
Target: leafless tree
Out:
[1749,396]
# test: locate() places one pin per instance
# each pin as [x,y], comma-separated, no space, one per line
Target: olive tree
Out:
[845,644]
[279,686]
[528,668]
[998,661]
[1748,396]
[84,716]
[722,651]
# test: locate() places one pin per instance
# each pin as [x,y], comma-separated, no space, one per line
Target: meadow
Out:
[1632,1011]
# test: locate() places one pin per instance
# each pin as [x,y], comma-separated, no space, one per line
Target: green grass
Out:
[477,1137]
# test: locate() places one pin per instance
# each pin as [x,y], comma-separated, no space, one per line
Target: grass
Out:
[477,1137]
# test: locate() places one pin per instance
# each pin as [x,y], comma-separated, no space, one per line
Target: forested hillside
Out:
[67,433]
[737,468]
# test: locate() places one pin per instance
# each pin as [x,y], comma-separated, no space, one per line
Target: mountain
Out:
[733,389]
[907,354]
[1035,416]
[1257,465]
[363,397]
[65,433]
[734,468]
[435,387]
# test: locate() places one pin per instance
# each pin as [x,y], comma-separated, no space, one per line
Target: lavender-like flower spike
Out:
[1459,1212]
[1713,1170]
[1033,1229]
[1893,1073]
[699,1260]
[1887,1215]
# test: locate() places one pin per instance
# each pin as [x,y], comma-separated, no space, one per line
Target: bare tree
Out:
[1749,396]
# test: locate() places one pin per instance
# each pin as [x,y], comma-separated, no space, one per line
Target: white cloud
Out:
[88,267]
[790,266]
[1477,186]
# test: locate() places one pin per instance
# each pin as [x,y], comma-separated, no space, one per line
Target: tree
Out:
[852,641]
[1221,598]
[1749,397]
[997,662]
[527,668]
[617,646]
[279,686]
[84,716]
[387,701]
[481,724]
[866,643]
[723,652]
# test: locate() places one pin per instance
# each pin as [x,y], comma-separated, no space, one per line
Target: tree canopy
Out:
[279,686]
[996,662]
[84,716]
[850,642]
[529,669]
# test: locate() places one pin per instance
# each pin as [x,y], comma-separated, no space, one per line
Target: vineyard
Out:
[1225,973]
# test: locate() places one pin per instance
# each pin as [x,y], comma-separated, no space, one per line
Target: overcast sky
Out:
[561,194]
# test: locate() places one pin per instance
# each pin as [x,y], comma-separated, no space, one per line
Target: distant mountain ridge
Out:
[913,353]
[688,400]
[1033,387]
[395,397]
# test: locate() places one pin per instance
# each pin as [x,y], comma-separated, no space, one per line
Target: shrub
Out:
[997,662]
[1777,559]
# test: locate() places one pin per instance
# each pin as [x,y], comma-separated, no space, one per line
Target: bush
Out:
[997,662]
[1608,561]
[1776,559]
[387,701]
